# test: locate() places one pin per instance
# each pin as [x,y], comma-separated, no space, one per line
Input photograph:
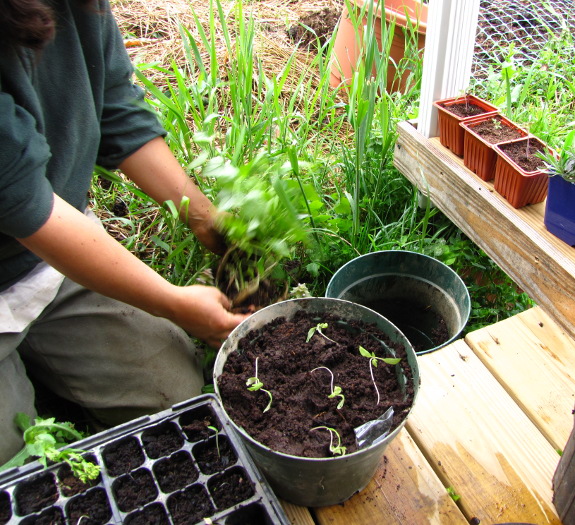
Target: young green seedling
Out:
[318,328]
[336,450]
[254,384]
[217,432]
[373,359]
[335,390]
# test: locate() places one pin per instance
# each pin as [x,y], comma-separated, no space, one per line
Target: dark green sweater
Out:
[61,112]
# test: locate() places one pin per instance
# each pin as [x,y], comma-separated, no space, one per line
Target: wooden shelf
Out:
[516,239]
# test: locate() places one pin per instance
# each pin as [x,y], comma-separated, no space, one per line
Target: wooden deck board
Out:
[516,240]
[405,490]
[480,441]
[535,362]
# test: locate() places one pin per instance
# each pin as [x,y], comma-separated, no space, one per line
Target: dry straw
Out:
[152,30]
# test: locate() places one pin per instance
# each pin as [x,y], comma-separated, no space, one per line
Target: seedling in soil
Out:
[254,384]
[335,390]
[336,450]
[44,439]
[318,328]
[373,359]
[217,432]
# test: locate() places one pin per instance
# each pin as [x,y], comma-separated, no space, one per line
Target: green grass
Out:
[338,147]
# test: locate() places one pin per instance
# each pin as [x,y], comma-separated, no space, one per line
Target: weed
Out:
[44,440]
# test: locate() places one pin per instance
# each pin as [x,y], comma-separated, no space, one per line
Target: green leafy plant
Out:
[563,162]
[335,391]
[452,494]
[373,359]
[44,440]
[263,221]
[318,328]
[336,450]
[254,384]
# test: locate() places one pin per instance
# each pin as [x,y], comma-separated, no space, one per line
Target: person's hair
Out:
[28,23]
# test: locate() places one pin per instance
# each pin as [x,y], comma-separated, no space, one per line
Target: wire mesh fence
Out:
[525,24]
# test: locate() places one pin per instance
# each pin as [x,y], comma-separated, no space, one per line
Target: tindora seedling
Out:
[318,328]
[254,384]
[335,390]
[373,359]
[336,450]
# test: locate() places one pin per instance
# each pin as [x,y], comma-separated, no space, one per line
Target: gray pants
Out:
[116,361]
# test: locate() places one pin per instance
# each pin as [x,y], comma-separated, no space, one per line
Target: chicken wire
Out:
[527,24]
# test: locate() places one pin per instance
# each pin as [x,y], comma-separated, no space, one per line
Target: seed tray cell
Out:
[179,466]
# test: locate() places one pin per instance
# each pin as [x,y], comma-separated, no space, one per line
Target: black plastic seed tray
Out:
[181,466]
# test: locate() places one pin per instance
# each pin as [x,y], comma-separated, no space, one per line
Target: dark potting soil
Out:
[422,325]
[300,397]
[524,154]
[151,515]
[494,131]
[464,109]
[5,508]
[91,508]
[70,485]
[36,494]
[190,506]
[230,487]
[214,455]
[123,456]
[134,490]
[197,427]
[175,472]
[162,440]
[52,516]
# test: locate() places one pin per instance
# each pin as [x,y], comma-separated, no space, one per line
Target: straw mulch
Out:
[152,27]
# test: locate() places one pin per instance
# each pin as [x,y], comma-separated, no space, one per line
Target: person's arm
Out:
[155,170]
[84,252]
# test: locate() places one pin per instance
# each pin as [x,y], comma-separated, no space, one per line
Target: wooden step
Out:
[405,490]
[534,360]
[480,441]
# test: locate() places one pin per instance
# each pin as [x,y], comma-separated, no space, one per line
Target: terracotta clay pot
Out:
[451,134]
[405,14]
[478,153]
[517,185]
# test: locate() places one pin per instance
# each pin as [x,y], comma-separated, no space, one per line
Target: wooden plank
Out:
[534,360]
[516,240]
[297,515]
[484,446]
[564,483]
[405,490]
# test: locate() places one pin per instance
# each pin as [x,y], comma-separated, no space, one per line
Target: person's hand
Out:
[203,311]
[208,233]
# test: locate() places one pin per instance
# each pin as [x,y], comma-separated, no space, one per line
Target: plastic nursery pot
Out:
[406,15]
[313,481]
[518,184]
[452,112]
[559,218]
[479,137]
[422,296]
[175,467]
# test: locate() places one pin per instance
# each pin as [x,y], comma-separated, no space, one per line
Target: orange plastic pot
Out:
[451,134]
[478,153]
[518,186]
[347,48]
